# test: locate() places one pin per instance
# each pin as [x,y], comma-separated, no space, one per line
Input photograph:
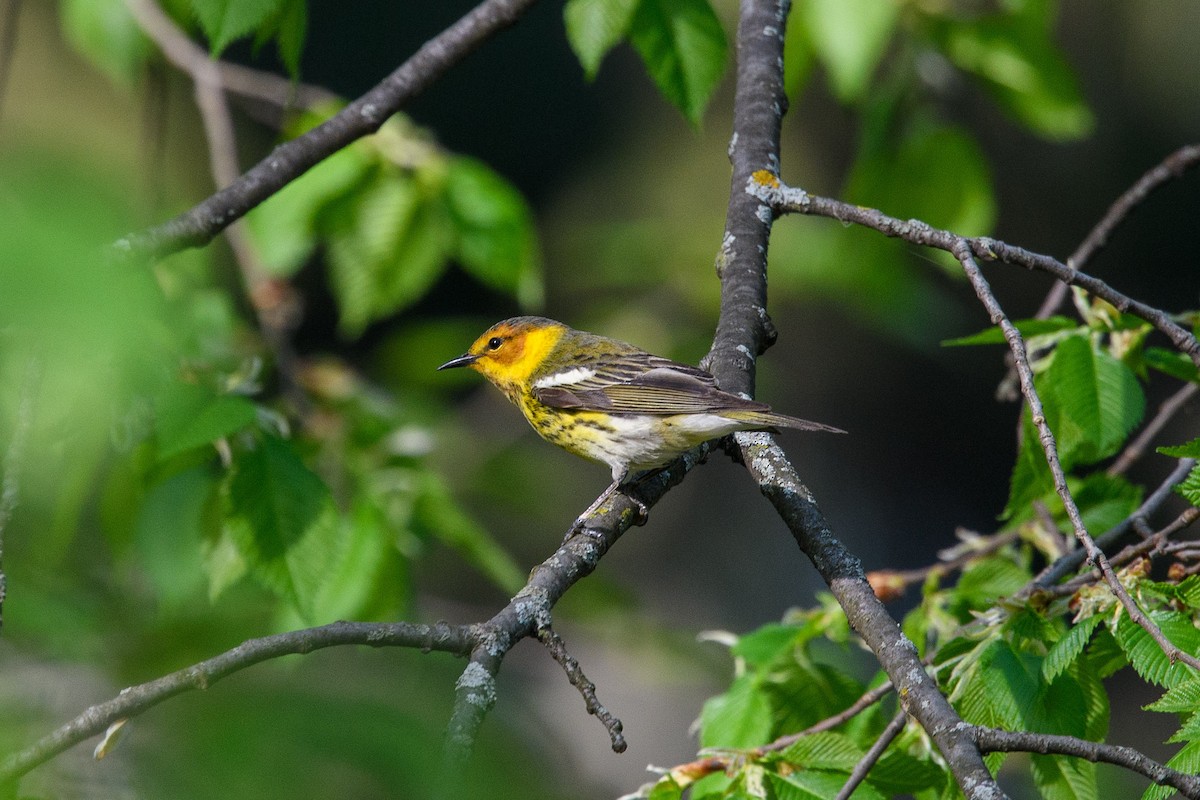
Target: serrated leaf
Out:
[1190,488]
[1189,450]
[596,26]
[1092,401]
[1188,591]
[1026,327]
[1145,655]
[106,33]
[1186,760]
[1064,652]
[683,46]
[834,751]
[190,416]
[1189,731]
[223,21]
[818,785]
[741,717]
[850,37]
[281,517]
[898,773]
[1183,697]
[1064,777]
[497,242]
[988,579]
[392,246]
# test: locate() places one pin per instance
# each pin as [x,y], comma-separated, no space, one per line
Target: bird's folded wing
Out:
[664,388]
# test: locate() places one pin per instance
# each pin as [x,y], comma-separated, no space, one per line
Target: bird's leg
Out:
[642,515]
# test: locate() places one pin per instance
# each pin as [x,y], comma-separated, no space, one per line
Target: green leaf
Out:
[1031,478]
[761,647]
[437,513]
[281,517]
[898,773]
[169,531]
[1182,698]
[1104,500]
[850,37]
[596,26]
[1189,450]
[106,33]
[1064,777]
[226,20]
[1092,401]
[937,174]
[1171,362]
[817,785]
[285,227]
[741,717]
[833,751]
[683,46]
[1028,328]
[497,242]
[1013,56]
[1145,655]
[1186,760]
[293,29]
[190,416]
[1188,591]
[1064,652]
[392,245]
[1190,488]
[988,579]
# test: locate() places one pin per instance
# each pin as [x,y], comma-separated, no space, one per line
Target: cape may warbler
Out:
[609,401]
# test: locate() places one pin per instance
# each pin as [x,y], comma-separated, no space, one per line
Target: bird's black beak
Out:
[462,361]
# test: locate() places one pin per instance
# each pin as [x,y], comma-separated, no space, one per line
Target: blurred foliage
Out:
[174,501]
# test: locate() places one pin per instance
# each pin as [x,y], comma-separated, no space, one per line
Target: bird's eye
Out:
[494,343]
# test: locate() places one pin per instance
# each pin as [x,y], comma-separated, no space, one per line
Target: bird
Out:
[609,401]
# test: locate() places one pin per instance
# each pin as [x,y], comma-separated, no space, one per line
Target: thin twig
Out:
[455,639]
[1173,166]
[570,665]
[197,226]
[868,699]
[859,774]
[1095,555]
[274,301]
[1071,561]
[994,740]
[1137,448]
[782,199]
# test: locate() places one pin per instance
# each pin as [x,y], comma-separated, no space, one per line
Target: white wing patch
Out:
[576,375]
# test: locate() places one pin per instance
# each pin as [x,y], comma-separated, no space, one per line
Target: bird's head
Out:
[509,352]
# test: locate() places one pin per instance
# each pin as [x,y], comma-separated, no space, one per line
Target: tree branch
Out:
[784,199]
[744,331]
[993,740]
[198,226]
[455,639]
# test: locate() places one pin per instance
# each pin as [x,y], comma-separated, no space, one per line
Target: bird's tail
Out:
[771,419]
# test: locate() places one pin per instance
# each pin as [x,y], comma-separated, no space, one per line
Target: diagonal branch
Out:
[744,331]
[198,226]
[784,199]
[456,639]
